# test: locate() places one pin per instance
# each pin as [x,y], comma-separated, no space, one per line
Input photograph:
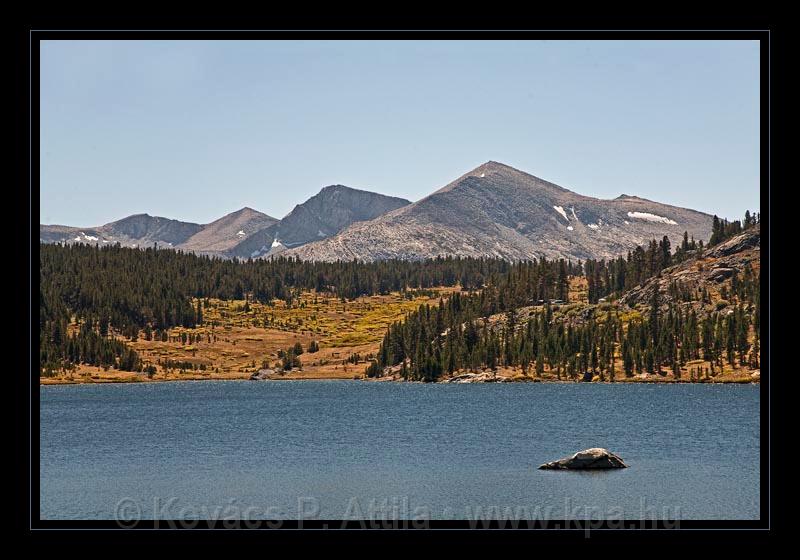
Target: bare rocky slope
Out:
[220,236]
[139,230]
[498,211]
[324,214]
[245,233]
[710,269]
[143,230]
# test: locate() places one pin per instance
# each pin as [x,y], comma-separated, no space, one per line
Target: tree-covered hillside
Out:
[111,293]
[680,323]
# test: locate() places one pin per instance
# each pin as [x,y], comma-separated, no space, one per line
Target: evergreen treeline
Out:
[110,291]
[434,341]
[89,345]
[113,290]
[447,337]
[613,277]
[456,334]
[723,229]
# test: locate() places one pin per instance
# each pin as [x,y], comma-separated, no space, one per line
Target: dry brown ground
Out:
[241,341]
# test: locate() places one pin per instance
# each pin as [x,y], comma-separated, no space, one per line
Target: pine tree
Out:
[655,331]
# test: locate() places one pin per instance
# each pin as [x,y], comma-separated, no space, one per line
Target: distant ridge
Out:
[496,210]
[224,234]
[138,230]
[493,211]
[324,214]
[245,233]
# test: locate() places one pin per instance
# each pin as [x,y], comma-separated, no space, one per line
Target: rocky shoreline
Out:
[753,377]
[488,377]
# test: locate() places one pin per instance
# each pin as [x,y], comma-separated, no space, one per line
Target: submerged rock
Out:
[594,458]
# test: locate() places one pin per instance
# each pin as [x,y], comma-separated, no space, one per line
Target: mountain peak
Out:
[335,188]
[226,232]
[242,215]
[326,213]
[246,211]
[344,188]
[492,166]
[133,218]
[632,198]
[498,211]
[353,197]
[500,175]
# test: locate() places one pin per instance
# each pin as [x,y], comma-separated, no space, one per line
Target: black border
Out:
[27,403]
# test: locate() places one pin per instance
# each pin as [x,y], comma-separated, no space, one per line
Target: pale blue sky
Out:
[193,130]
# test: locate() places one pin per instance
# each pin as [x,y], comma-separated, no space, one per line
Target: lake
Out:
[350,449]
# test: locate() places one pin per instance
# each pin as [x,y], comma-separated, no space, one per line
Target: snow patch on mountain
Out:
[647,216]
[561,211]
[83,237]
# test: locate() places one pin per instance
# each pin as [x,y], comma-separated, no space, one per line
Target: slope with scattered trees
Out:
[692,320]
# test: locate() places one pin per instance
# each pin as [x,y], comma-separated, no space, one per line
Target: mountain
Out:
[143,230]
[498,211]
[57,234]
[324,214]
[245,233]
[139,230]
[224,234]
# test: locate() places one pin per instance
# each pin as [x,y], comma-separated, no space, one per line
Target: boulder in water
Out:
[594,458]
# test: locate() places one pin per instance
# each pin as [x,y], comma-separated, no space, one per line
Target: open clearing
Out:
[234,342]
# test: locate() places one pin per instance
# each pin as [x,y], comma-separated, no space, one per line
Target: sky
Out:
[193,130]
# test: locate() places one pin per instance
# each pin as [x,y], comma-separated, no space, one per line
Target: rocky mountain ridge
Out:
[245,233]
[493,211]
[498,211]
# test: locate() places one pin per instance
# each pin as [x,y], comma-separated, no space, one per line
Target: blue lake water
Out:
[349,449]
